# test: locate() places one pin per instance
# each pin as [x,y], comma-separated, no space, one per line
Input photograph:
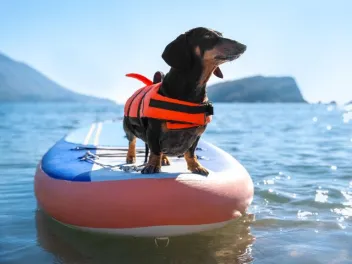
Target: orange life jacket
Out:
[147,102]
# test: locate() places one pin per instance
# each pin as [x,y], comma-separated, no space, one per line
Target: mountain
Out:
[257,89]
[21,83]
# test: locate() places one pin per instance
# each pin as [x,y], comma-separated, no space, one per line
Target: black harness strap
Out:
[206,108]
[141,122]
[158,77]
[146,153]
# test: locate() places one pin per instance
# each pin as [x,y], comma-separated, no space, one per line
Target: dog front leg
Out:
[192,162]
[131,153]
[154,162]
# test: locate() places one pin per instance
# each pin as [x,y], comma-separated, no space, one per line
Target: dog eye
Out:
[207,35]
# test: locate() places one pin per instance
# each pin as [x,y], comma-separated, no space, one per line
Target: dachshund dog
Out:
[193,57]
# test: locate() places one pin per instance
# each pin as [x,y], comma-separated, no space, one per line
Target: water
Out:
[299,157]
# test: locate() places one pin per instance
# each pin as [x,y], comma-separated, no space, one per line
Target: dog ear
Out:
[177,54]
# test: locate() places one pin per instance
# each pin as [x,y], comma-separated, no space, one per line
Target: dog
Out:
[193,56]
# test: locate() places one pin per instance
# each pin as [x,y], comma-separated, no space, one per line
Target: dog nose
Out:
[241,47]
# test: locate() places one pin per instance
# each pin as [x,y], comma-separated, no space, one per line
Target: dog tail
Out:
[140,77]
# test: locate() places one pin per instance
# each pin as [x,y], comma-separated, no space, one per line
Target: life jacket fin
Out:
[140,77]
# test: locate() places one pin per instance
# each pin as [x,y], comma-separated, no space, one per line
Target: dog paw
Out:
[149,169]
[199,170]
[130,159]
[165,161]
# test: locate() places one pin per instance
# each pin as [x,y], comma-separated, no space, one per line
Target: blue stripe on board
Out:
[60,162]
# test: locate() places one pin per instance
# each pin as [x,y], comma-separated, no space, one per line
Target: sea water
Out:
[298,155]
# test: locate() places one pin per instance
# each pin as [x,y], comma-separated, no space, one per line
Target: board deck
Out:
[63,162]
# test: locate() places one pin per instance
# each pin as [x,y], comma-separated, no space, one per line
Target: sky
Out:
[88,46]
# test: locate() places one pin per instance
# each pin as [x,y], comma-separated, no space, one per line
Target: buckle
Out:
[209,109]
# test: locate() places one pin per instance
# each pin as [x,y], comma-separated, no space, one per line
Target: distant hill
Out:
[257,89]
[21,83]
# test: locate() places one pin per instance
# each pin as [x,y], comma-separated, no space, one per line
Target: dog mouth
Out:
[228,57]
[217,72]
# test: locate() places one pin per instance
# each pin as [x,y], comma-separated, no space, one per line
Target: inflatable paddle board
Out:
[84,182]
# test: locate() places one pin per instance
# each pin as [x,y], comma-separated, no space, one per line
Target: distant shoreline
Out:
[257,89]
[21,83]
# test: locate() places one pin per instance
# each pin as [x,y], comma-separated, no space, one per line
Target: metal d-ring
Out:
[161,238]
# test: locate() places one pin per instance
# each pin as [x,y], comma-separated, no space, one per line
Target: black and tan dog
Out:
[193,57]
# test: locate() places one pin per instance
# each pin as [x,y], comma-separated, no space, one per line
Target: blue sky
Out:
[88,46]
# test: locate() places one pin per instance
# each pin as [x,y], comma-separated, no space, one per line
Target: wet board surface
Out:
[105,139]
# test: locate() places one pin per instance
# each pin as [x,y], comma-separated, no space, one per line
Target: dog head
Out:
[205,45]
